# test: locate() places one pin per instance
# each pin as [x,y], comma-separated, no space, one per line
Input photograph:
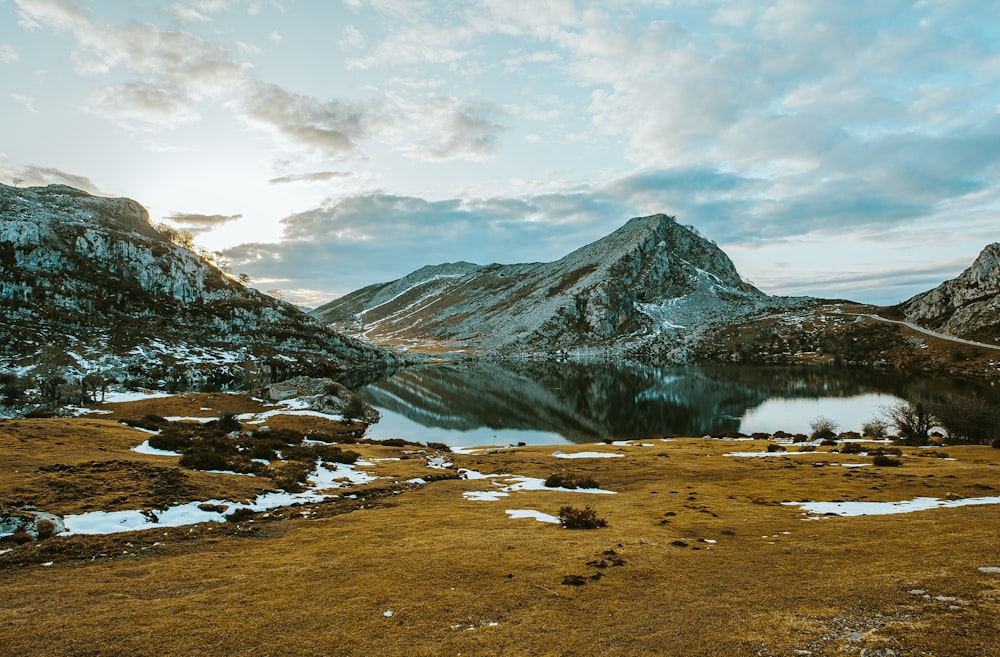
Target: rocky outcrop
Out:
[967,306]
[88,285]
[650,278]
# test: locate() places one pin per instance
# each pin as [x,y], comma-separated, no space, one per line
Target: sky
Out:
[844,149]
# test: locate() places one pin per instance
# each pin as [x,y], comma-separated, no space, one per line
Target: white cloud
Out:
[276,37]
[328,127]
[8,54]
[25,101]
[351,38]
[186,14]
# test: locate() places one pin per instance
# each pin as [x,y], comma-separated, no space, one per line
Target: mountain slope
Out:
[87,284]
[649,277]
[967,306]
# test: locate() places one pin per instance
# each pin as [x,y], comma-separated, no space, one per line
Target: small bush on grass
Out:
[261,451]
[570,480]
[227,423]
[585,518]
[331,454]
[885,451]
[239,515]
[171,440]
[875,428]
[852,448]
[45,529]
[823,428]
[775,448]
[290,476]
[884,461]
[995,444]
[213,453]
[149,422]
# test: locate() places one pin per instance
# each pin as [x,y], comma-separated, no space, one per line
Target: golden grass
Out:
[461,577]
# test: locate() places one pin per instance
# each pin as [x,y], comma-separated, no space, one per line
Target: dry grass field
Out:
[701,554]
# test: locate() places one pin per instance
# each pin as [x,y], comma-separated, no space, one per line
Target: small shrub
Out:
[202,459]
[331,454]
[808,448]
[239,515]
[45,528]
[829,442]
[885,451]
[570,480]
[585,518]
[884,461]
[149,422]
[261,451]
[995,444]
[823,428]
[170,440]
[782,435]
[852,448]
[875,428]
[775,448]
[759,435]
[446,448]
[20,537]
[227,423]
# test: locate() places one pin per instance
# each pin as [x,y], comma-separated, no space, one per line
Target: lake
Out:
[540,403]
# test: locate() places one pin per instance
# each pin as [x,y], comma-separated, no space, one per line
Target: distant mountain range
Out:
[88,285]
[652,280]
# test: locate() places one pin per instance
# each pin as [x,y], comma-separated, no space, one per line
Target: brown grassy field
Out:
[699,555]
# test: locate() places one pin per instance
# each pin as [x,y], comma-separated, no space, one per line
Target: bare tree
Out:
[913,420]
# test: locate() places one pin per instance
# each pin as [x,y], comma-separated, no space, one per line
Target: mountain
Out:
[88,285]
[650,281]
[967,306]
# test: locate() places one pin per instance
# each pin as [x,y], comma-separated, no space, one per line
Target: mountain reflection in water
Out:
[542,403]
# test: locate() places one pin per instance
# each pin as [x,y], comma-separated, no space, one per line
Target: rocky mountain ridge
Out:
[967,306]
[651,284]
[88,285]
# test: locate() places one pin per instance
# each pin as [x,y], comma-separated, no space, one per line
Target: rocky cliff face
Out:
[650,279]
[87,285]
[967,306]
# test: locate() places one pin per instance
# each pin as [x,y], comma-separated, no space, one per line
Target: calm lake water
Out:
[553,403]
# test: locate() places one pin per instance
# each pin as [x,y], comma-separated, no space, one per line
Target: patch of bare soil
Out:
[701,554]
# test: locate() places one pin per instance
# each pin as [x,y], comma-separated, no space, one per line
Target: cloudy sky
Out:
[840,149]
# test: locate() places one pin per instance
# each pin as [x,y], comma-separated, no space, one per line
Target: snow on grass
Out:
[506,484]
[144,448]
[758,454]
[325,477]
[438,463]
[847,509]
[134,395]
[77,411]
[484,495]
[584,455]
[288,407]
[516,514]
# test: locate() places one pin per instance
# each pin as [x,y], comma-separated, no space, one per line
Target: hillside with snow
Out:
[650,284]
[88,286]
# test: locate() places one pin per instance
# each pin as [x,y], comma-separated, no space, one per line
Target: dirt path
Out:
[933,334]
